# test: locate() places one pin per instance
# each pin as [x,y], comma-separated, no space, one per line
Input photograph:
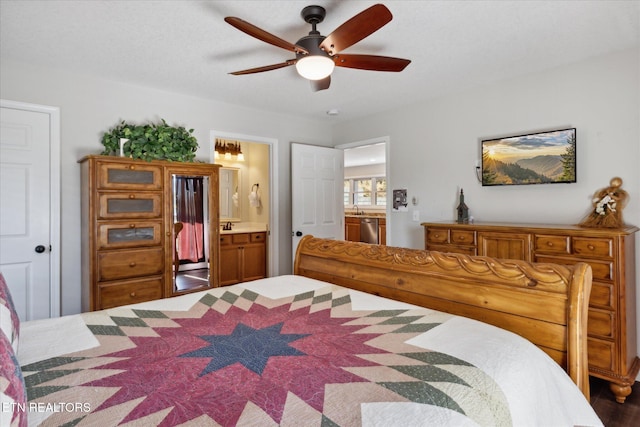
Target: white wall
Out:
[89,106]
[434,146]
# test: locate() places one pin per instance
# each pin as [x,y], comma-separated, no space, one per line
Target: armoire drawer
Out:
[115,265]
[123,234]
[121,176]
[126,205]
[129,292]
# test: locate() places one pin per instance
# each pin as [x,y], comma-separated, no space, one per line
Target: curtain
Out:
[189,211]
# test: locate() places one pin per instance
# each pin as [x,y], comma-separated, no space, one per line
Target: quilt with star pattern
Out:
[287,351]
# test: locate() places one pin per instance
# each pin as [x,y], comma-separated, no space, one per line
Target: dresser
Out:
[128,232]
[610,253]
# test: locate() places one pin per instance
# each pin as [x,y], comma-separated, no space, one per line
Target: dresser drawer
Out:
[130,205]
[121,176]
[462,237]
[114,235]
[602,295]
[437,235]
[551,244]
[601,323]
[114,265]
[601,270]
[129,292]
[601,354]
[465,250]
[593,247]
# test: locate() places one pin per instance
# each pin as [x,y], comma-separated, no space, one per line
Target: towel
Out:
[254,199]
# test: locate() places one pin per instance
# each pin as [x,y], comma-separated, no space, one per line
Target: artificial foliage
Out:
[152,141]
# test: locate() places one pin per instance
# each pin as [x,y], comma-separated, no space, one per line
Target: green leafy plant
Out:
[151,141]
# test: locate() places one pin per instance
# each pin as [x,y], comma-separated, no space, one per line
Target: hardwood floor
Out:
[611,413]
[192,279]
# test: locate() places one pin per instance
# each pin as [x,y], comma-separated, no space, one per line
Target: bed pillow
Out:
[13,395]
[9,321]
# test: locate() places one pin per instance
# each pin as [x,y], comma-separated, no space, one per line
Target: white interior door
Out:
[317,175]
[25,210]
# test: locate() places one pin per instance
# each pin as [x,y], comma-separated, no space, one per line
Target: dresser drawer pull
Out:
[132,167]
[132,264]
[132,196]
[590,247]
[132,294]
[132,226]
[461,238]
[549,244]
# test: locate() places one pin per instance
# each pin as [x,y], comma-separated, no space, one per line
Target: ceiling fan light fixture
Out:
[315,67]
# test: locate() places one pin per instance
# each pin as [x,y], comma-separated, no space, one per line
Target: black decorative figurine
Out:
[463,210]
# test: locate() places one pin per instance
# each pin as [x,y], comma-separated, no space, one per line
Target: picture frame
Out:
[547,157]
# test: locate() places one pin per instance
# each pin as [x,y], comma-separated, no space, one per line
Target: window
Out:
[369,191]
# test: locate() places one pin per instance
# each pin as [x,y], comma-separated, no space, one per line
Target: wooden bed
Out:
[318,347]
[545,303]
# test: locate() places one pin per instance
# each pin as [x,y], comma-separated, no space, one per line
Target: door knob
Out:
[40,249]
[298,233]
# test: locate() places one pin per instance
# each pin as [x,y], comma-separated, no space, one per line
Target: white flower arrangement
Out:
[604,204]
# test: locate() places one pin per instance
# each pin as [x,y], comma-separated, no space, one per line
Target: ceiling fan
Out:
[317,55]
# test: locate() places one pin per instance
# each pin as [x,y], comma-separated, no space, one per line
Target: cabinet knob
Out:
[591,247]
[132,167]
[132,226]
[132,294]
[132,264]
[132,196]
[549,244]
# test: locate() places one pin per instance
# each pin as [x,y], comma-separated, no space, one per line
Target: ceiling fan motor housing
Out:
[312,44]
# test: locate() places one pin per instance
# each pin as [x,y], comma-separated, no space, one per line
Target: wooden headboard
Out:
[545,303]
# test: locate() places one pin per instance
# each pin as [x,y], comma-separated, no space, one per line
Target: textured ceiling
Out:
[186,47]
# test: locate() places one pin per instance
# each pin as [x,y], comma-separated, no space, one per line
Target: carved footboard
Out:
[545,303]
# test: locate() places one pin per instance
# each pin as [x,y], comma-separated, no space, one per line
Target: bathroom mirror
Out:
[230,200]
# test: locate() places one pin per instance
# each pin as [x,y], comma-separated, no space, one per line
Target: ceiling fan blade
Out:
[371,62]
[321,84]
[261,34]
[357,28]
[265,68]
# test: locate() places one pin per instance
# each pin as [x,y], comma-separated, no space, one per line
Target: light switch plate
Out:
[416,215]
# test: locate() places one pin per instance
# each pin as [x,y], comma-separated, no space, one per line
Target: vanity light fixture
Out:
[227,150]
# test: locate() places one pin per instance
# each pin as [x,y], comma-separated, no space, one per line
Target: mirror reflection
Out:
[190,235]
[230,202]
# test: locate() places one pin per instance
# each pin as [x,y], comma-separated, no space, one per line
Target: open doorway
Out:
[255,175]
